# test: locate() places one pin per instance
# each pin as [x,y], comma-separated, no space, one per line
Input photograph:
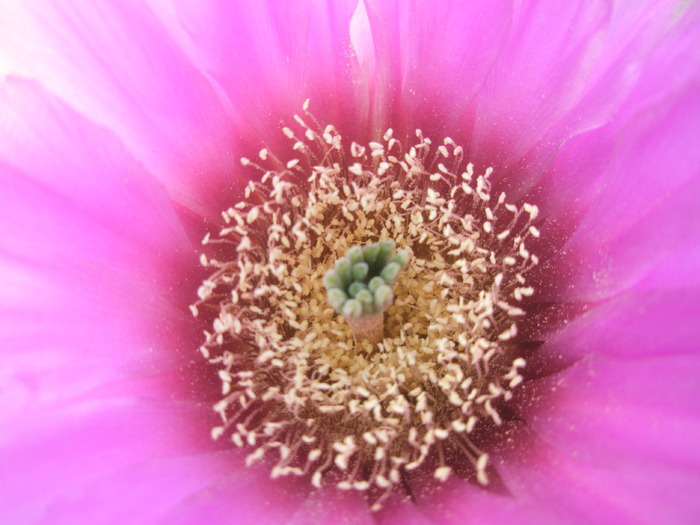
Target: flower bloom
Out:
[122,127]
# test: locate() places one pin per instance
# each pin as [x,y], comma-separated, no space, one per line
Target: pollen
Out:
[296,264]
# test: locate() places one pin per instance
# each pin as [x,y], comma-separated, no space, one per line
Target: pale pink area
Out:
[635,324]
[90,242]
[565,70]
[572,180]
[538,64]
[211,488]
[242,496]
[115,63]
[91,249]
[79,203]
[126,494]
[415,86]
[265,59]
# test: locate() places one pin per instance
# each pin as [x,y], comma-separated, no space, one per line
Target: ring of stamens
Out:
[297,387]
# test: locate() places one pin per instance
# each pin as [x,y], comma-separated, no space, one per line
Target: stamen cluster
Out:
[297,388]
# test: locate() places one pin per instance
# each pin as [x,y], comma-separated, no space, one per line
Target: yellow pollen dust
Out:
[297,389]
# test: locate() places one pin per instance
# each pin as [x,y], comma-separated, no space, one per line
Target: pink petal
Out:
[620,433]
[574,178]
[329,504]
[562,72]
[214,488]
[646,213]
[57,454]
[142,493]
[511,73]
[636,324]
[91,246]
[431,60]
[93,311]
[115,63]
[406,513]
[268,58]
[243,496]
[86,220]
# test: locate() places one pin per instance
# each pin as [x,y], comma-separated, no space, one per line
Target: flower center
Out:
[365,306]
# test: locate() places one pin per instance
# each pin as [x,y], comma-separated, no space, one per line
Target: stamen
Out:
[359,288]
[413,364]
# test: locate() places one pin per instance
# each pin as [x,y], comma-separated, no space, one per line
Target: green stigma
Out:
[360,285]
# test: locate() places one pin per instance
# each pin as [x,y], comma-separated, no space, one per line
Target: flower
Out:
[122,128]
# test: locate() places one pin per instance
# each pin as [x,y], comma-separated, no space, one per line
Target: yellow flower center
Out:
[297,385]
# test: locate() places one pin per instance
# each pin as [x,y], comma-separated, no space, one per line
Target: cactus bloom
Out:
[462,282]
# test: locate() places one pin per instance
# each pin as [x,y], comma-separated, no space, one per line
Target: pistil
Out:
[360,287]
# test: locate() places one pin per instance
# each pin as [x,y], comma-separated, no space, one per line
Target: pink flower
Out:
[121,129]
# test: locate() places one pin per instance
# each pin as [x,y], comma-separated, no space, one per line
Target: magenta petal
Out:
[78,227]
[645,212]
[243,496]
[91,311]
[127,494]
[89,440]
[539,75]
[575,176]
[516,81]
[637,324]
[432,58]
[327,504]
[84,167]
[115,63]
[268,58]
[193,488]
[617,432]
[407,513]
[87,257]
[554,59]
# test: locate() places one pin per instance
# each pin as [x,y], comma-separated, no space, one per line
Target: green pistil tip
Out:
[360,285]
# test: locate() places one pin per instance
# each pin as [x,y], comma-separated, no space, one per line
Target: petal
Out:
[646,211]
[563,71]
[57,455]
[328,504]
[499,77]
[612,439]
[244,496]
[636,324]
[451,501]
[576,174]
[115,63]
[268,57]
[406,513]
[147,491]
[93,305]
[92,252]
[431,60]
